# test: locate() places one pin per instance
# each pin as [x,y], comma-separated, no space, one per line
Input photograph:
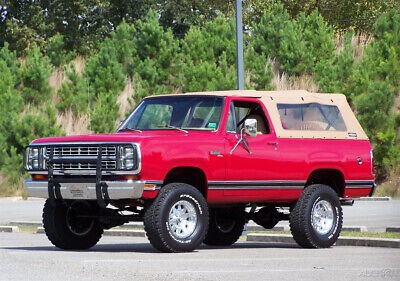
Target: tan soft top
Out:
[272,98]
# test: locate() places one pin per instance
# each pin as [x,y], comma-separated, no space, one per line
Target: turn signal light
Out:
[37,177]
[129,177]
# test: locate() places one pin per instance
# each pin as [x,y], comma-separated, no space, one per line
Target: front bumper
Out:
[116,189]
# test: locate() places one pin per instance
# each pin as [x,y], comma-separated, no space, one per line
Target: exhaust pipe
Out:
[347,202]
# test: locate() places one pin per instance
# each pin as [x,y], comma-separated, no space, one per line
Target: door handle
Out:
[274,143]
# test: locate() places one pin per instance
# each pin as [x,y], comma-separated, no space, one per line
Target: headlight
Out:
[34,158]
[127,157]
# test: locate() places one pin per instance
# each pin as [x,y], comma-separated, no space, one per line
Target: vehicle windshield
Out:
[175,113]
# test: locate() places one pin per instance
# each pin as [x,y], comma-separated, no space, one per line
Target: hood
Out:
[116,137]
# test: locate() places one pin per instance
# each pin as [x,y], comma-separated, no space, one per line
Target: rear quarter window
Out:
[311,117]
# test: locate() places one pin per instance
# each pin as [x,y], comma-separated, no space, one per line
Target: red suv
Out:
[197,167]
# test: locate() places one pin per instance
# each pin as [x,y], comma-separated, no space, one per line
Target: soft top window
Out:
[311,117]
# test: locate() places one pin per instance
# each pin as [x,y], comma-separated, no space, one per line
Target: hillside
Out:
[50,91]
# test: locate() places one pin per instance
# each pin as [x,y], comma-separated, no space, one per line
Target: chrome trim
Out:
[237,185]
[116,189]
[91,172]
[359,184]
[157,184]
[371,152]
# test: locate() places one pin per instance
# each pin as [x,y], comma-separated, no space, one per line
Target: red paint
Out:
[290,159]
[148,194]
[356,192]
[253,196]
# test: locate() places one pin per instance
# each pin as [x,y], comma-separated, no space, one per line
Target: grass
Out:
[391,186]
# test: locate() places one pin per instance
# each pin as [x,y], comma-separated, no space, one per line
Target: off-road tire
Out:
[157,214]
[225,235]
[59,233]
[300,217]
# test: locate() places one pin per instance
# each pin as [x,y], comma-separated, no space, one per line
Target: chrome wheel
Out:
[182,219]
[322,217]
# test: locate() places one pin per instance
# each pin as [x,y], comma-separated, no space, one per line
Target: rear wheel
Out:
[316,219]
[226,226]
[177,220]
[67,229]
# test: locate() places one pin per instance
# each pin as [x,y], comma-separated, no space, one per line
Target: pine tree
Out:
[35,76]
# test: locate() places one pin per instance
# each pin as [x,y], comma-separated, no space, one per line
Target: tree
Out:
[35,76]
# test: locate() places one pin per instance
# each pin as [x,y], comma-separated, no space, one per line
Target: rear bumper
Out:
[115,189]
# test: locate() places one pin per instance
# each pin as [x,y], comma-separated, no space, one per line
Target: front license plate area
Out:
[78,192]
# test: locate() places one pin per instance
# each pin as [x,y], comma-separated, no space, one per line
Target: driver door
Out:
[247,172]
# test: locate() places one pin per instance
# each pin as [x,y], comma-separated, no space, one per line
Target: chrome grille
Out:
[105,165]
[82,151]
[109,156]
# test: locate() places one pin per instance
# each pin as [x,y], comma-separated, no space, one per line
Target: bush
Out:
[11,61]
[73,92]
[55,50]
[334,74]
[35,76]
[373,88]
[106,80]
[259,71]
[123,40]
[156,58]
[297,44]
[209,76]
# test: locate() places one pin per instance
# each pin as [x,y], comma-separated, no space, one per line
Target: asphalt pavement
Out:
[25,256]
[375,215]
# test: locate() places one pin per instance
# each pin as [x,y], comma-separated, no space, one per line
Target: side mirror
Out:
[250,127]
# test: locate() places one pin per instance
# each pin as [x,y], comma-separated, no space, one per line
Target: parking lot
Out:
[26,256]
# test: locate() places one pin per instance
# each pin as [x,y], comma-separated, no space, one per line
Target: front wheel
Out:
[316,219]
[67,227]
[177,220]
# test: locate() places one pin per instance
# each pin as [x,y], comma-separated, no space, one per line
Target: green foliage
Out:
[35,75]
[333,74]
[10,59]
[201,58]
[105,113]
[259,71]
[106,79]
[123,41]
[374,86]
[209,57]
[373,107]
[211,41]
[209,76]
[343,14]
[73,92]
[298,45]
[55,50]
[156,61]
[318,36]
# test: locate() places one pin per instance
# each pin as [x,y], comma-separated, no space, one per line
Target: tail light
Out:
[372,163]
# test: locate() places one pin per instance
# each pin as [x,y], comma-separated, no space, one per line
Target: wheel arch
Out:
[330,177]
[192,175]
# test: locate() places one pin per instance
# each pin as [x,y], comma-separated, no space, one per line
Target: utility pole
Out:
[239,45]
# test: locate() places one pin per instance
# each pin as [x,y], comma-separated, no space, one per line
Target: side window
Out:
[311,117]
[239,111]
[231,123]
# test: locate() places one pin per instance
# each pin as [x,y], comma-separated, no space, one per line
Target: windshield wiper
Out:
[173,127]
[129,130]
